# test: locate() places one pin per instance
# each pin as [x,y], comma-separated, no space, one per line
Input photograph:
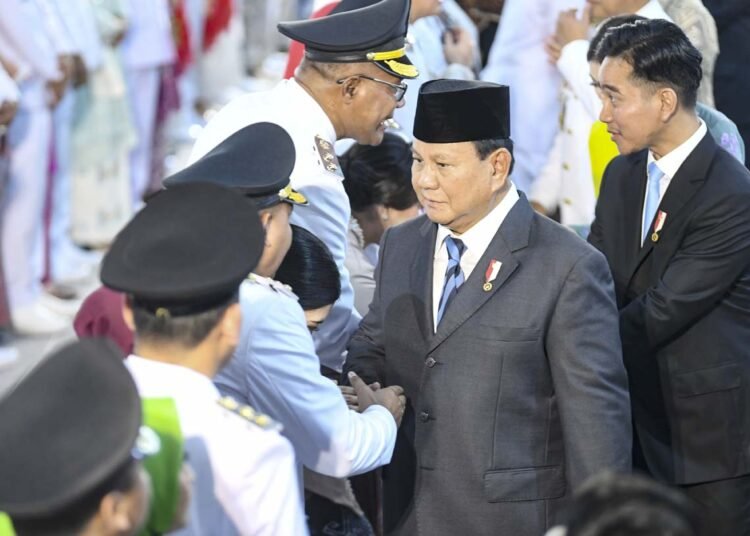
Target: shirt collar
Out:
[479,236]
[670,163]
[150,376]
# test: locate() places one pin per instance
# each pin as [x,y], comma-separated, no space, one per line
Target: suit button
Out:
[430,362]
[424,416]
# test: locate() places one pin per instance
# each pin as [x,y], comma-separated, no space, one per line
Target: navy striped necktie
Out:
[454,277]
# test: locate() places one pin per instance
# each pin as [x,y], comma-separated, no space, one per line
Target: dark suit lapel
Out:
[684,185]
[512,236]
[421,277]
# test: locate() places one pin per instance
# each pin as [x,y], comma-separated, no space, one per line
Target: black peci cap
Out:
[70,424]
[358,31]
[257,161]
[450,111]
[187,251]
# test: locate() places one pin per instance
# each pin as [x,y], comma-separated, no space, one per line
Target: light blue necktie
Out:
[652,198]
[454,277]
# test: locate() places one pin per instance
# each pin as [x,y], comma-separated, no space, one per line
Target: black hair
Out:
[612,22]
[659,53]
[310,270]
[188,330]
[73,518]
[612,504]
[379,174]
[486,147]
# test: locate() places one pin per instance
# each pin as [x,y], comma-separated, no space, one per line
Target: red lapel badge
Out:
[491,273]
[661,218]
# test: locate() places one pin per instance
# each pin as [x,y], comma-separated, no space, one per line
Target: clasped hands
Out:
[361,396]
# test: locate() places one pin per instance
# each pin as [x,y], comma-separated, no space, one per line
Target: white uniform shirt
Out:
[276,371]
[518,59]
[566,180]
[148,41]
[476,240]
[246,481]
[327,216]
[77,16]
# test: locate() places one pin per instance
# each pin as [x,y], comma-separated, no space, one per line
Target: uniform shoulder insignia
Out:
[249,414]
[272,284]
[328,158]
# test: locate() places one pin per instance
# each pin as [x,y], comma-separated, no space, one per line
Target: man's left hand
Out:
[571,28]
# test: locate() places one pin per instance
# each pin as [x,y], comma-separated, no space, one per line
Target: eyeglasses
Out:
[399,90]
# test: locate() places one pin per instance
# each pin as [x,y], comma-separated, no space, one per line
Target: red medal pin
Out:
[661,218]
[491,273]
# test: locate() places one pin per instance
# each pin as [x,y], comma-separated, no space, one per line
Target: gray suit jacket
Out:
[519,396]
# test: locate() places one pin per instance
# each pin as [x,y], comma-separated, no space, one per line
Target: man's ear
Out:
[669,102]
[127,314]
[230,325]
[500,161]
[114,513]
[349,89]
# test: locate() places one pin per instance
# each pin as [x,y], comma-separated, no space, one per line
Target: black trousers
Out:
[725,505]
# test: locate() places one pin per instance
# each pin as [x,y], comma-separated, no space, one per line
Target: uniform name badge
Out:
[661,218]
[491,273]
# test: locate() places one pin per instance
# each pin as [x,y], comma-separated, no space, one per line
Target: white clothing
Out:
[143,96]
[251,468]
[148,42]
[424,46]
[275,370]
[476,240]
[566,180]
[291,107]
[518,59]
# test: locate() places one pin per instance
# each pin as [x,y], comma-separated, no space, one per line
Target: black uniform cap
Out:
[65,428]
[256,161]
[358,31]
[187,251]
[450,111]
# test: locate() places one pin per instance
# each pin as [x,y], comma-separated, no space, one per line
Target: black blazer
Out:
[684,300]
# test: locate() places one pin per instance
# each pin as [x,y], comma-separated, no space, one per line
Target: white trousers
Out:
[143,95]
[29,142]
[59,231]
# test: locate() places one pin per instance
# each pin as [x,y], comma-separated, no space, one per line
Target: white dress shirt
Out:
[670,163]
[327,216]
[246,481]
[476,240]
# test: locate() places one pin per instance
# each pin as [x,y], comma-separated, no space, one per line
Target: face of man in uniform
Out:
[454,186]
[631,109]
[315,317]
[275,221]
[370,104]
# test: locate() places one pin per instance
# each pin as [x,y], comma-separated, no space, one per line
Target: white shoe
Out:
[8,356]
[74,265]
[64,308]
[36,319]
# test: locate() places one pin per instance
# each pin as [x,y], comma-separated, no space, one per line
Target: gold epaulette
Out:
[249,414]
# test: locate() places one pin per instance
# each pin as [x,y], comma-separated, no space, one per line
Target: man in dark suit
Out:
[501,326]
[672,220]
